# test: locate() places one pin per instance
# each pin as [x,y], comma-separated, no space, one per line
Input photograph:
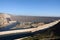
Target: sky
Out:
[31,7]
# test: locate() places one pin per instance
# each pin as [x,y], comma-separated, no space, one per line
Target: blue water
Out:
[8,27]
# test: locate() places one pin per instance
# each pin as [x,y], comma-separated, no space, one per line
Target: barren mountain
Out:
[32,18]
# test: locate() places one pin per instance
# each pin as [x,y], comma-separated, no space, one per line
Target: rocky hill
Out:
[32,18]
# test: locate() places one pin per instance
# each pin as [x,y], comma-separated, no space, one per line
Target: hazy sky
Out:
[31,7]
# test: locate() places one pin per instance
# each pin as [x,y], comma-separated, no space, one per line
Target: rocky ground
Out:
[27,25]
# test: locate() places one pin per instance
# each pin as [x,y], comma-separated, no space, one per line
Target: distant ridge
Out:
[33,18]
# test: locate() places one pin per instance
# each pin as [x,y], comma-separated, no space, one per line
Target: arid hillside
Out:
[30,18]
[34,19]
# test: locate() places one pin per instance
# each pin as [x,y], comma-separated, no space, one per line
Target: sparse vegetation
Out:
[47,35]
